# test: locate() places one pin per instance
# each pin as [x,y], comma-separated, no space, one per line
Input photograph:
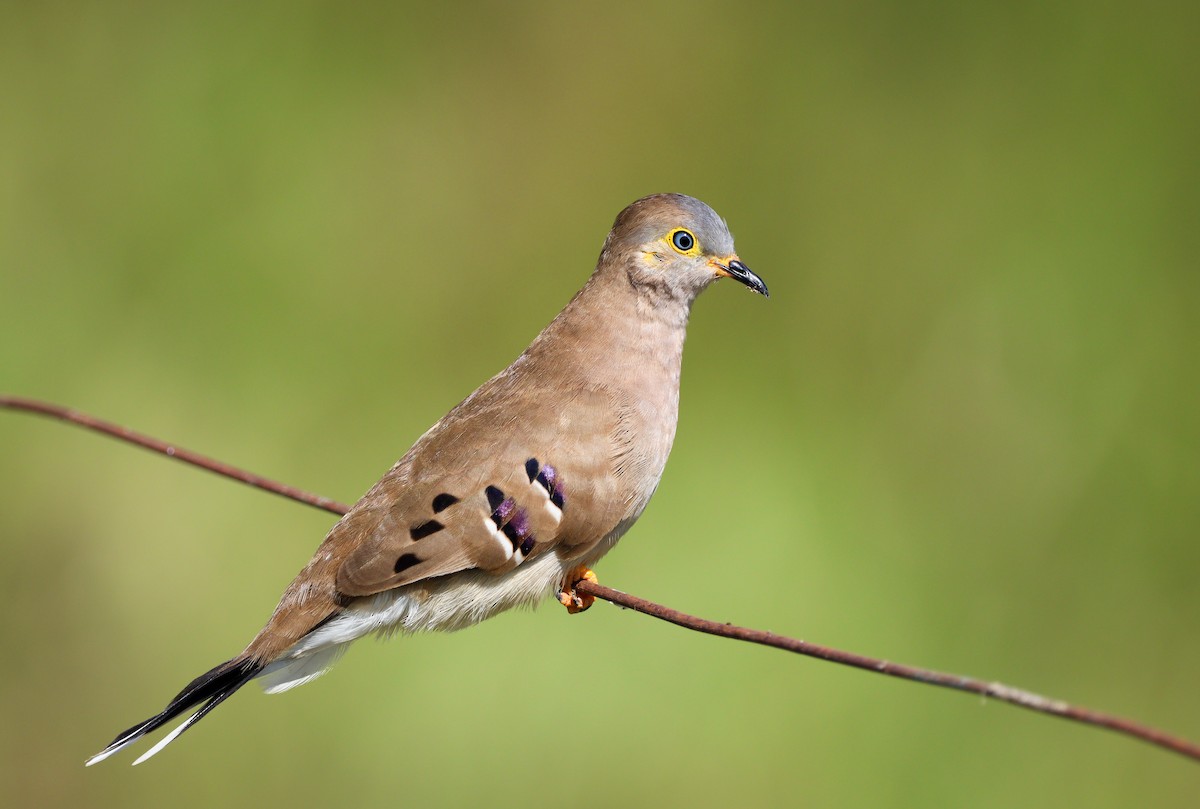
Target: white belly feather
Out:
[450,603]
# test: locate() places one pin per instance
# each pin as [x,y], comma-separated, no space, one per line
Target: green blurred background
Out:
[964,432]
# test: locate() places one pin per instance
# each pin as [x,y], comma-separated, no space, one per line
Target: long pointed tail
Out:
[211,688]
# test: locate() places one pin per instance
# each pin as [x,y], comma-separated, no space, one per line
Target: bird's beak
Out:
[732,267]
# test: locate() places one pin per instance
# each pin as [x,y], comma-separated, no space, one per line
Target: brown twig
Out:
[999,691]
[994,690]
[170,450]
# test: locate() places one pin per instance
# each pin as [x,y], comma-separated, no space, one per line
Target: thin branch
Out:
[994,690]
[999,691]
[178,453]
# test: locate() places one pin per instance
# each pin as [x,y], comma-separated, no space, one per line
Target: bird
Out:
[514,494]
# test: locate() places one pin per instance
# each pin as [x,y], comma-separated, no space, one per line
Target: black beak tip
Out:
[743,274]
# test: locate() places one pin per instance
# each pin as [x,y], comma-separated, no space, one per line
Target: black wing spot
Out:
[406,561]
[495,497]
[548,478]
[443,501]
[531,468]
[425,529]
[516,528]
[527,546]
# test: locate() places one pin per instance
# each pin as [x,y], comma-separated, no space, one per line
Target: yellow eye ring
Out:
[683,241]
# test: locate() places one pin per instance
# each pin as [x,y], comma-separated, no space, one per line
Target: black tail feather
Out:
[212,688]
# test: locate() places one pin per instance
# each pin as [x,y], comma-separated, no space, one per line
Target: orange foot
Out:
[573,601]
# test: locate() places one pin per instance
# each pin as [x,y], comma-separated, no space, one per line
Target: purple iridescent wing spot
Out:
[520,523]
[502,507]
[513,522]
[517,529]
[547,477]
[504,511]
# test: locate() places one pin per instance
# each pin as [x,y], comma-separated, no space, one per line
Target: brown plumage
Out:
[530,479]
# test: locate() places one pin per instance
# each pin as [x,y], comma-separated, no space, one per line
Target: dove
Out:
[516,492]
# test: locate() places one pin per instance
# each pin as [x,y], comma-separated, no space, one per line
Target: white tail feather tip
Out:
[170,737]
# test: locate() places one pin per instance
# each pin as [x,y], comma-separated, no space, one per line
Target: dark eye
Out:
[683,241]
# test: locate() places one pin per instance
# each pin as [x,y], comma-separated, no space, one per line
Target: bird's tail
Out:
[211,688]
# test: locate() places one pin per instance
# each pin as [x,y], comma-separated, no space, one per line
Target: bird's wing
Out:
[497,482]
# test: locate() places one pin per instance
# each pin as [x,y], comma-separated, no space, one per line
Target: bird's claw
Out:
[572,600]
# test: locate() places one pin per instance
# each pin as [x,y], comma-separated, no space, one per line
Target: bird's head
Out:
[674,245]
